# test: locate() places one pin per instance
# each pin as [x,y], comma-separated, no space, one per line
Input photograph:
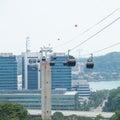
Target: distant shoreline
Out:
[101,80]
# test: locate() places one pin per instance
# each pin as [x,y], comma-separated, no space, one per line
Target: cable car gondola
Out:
[90,63]
[52,63]
[52,60]
[70,61]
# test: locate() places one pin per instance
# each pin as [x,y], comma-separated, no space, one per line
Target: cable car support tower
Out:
[46,61]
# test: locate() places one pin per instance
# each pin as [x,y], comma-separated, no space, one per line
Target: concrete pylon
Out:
[46,90]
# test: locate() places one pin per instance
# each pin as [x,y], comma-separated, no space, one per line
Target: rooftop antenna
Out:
[27,44]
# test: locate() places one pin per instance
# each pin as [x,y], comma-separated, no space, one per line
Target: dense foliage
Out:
[9,111]
[12,112]
[113,103]
[60,116]
[116,116]
[96,99]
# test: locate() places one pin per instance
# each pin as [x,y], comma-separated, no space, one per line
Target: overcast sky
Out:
[59,24]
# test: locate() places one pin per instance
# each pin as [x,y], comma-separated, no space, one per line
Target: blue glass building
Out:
[8,72]
[83,89]
[61,75]
[31,99]
[30,72]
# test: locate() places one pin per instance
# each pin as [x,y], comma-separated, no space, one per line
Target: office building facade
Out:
[83,89]
[31,99]
[30,71]
[8,71]
[31,79]
[61,75]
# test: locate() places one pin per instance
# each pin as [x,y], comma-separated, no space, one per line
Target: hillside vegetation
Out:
[106,67]
[107,63]
[113,103]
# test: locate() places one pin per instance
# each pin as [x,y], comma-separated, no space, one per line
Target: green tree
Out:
[116,116]
[99,117]
[58,116]
[113,103]
[72,117]
[9,111]
[96,99]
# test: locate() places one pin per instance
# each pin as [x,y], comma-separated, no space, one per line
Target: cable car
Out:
[52,63]
[65,63]
[43,58]
[52,60]
[53,57]
[70,61]
[38,60]
[90,63]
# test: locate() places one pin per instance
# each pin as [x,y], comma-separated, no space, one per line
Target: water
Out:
[104,85]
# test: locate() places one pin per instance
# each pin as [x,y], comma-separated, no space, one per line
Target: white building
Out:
[30,70]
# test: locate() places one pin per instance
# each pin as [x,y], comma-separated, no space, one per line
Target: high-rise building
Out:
[8,71]
[30,71]
[83,89]
[61,75]
[31,79]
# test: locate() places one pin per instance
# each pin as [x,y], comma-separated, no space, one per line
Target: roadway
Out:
[91,114]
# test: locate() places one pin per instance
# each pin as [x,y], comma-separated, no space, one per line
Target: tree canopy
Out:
[113,103]
[9,111]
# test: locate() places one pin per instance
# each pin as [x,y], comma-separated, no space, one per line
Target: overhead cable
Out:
[101,20]
[67,42]
[113,45]
[95,33]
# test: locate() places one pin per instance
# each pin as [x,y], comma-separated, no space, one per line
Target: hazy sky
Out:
[52,22]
